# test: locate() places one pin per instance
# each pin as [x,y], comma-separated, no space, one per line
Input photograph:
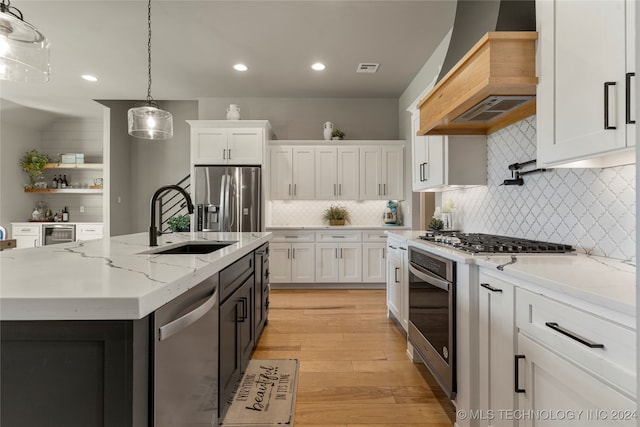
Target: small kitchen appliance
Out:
[390,215]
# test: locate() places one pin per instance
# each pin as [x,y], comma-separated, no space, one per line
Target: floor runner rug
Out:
[266,394]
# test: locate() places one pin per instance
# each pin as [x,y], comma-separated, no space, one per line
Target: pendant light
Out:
[148,121]
[24,51]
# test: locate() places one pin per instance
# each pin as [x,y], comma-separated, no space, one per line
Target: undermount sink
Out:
[190,248]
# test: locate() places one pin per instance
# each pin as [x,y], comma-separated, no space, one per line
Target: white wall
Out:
[138,167]
[303,118]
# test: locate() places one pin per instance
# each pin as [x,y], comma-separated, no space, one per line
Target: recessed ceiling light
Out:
[89,78]
[318,66]
[240,67]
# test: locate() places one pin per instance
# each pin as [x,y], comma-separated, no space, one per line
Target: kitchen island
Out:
[81,343]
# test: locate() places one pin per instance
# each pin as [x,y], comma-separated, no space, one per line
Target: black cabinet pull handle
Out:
[266,273]
[573,335]
[243,316]
[395,274]
[606,105]
[627,100]
[491,288]
[516,375]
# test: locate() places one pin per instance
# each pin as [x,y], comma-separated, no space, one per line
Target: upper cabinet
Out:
[586,104]
[381,173]
[337,171]
[218,142]
[337,174]
[292,173]
[492,86]
[446,162]
[453,162]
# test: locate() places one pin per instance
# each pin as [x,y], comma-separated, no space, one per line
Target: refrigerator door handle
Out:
[231,202]
[223,203]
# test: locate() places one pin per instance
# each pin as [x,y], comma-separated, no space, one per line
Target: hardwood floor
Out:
[354,370]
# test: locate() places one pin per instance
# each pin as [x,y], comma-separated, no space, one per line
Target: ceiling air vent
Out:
[367,67]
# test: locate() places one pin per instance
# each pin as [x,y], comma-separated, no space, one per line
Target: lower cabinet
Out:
[27,235]
[89,231]
[338,262]
[559,358]
[292,262]
[374,262]
[61,373]
[398,281]
[496,331]
[237,328]
[554,385]
[261,289]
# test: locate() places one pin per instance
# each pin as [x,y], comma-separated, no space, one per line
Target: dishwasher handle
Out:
[187,319]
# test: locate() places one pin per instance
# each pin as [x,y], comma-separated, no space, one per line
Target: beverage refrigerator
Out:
[228,198]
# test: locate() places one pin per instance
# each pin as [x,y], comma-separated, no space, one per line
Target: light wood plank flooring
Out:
[354,370]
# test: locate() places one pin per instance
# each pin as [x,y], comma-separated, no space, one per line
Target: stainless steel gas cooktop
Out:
[478,243]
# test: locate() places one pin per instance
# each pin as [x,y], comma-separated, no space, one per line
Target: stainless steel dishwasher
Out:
[185,359]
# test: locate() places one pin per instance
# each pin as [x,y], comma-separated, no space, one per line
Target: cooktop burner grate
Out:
[479,243]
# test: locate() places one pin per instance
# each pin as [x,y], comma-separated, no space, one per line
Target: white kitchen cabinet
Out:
[291,262]
[496,332]
[89,231]
[571,357]
[586,88]
[552,384]
[337,174]
[381,172]
[338,262]
[398,280]
[374,262]
[217,142]
[450,162]
[26,235]
[292,173]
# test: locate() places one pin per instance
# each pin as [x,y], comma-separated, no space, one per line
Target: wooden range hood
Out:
[492,86]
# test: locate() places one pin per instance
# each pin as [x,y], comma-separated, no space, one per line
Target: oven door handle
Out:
[431,279]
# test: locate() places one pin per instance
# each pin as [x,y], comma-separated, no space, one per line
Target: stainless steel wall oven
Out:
[432,315]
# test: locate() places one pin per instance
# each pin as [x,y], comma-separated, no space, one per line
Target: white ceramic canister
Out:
[233,112]
[328,130]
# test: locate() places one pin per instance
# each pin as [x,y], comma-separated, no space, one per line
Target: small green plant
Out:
[436,224]
[33,163]
[179,223]
[337,134]
[336,214]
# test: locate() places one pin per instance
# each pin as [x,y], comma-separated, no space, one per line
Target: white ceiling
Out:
[196,43]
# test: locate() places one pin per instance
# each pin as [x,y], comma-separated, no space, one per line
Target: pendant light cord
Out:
[5,7]
[149,98]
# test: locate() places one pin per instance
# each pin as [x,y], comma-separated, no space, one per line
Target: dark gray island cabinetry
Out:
[74,373]
[117,336]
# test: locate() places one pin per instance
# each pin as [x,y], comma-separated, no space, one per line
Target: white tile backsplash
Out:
[309,212]
[591,209]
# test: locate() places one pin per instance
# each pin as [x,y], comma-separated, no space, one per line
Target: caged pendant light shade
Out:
[24,51]
[148,121]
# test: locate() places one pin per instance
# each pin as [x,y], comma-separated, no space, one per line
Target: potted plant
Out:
[179,223]
[33,163]
[336,215]
[337,134]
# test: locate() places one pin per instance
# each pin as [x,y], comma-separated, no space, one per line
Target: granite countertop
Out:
[604,282]
[108,278]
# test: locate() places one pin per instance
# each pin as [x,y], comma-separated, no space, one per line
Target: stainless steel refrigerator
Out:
[228,198]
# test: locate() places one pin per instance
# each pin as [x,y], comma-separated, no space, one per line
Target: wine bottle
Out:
[54,182]
[66,184]
[61,182]
[65,215]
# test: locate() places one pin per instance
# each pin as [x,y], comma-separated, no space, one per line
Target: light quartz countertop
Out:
[109,278]
[337,227]
[604,282]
